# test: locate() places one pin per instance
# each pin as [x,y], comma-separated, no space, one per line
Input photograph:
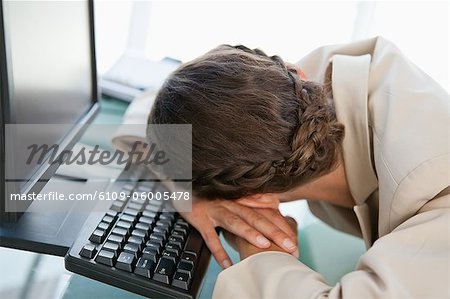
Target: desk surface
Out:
[30,275]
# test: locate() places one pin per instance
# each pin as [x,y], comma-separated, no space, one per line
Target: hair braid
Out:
[252,176]
[316,119]
[307,139]
[317,122]
[234,179]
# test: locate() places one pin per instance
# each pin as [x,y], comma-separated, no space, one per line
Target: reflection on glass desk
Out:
[30,275]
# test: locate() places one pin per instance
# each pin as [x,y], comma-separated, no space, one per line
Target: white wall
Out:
[186,29]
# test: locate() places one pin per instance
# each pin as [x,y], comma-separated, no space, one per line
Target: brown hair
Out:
[256,126]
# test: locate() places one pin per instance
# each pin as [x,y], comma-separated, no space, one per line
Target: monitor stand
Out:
[50,232]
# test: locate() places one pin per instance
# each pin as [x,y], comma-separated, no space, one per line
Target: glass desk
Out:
[31,275]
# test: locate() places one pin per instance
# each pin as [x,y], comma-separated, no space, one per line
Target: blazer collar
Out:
[350,75]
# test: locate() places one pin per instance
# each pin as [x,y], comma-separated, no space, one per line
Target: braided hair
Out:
[257,126]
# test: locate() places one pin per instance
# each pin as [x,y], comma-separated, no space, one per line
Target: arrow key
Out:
[164,270]
[181,280]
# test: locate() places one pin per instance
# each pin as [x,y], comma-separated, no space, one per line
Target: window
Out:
[186,29]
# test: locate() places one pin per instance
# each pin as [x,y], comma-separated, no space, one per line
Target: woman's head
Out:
[256,126]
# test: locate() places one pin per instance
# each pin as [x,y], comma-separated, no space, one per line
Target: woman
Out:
[263,133]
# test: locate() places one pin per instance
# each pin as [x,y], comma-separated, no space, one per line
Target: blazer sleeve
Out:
[410,262]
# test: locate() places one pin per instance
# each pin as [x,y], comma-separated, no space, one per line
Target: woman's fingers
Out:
[255,225]
[269,228]
[284,223]
[206,228]
[233,223]
[291,222]
[294,227]
[212,240]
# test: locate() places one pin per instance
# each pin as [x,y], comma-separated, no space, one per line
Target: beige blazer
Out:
[397,159]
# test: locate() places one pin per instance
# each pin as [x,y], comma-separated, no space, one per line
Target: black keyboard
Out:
[141,246]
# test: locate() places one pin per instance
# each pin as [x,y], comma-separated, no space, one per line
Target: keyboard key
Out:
[188,257]
[136,205]
[193,243]
[139,233]
[182,222]
[144,267]
[149,214]
[155,245]
[139,200]
[132,248]
[160,227]
[105,257]
[123,198]
[167,216]
[108,219]
[143,226]
[186,266]
[164,271]
[176,239]
[164,223]
[128,218]
[136,240]
[88,251]
[170,254]
[163,231]
[174,246]
[112,214]
[103,225]
[150,253]
[117,239]
[114,247]
[181,280]
[98,236]
[128,226]
[155,202]
[132,212]
[153,208]
[178,234]
[117,206]
[181,229]
[126,261]
[157,237]
[120,231]
[167,209]
[147,220]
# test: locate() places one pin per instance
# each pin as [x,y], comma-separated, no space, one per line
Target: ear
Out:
[301,74]
[261,200]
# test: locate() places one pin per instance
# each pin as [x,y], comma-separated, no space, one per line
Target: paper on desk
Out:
[140,73]
[136,114]
[133,74]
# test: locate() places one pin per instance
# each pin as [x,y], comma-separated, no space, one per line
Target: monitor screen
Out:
[50,51]
[48,77]
[50,74]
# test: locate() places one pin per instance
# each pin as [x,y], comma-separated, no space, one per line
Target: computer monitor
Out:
[48,76]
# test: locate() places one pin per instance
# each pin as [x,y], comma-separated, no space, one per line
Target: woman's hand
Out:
[256,225]
[246,249]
